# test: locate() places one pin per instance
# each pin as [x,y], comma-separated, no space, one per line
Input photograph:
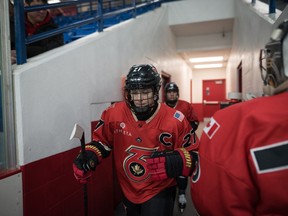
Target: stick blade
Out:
[77,132]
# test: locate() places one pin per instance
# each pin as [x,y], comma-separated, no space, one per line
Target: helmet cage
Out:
[274,58]
[140,79]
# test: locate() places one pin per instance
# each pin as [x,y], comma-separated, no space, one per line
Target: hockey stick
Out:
[78,133]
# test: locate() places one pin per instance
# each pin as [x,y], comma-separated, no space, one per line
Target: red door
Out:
[213,94]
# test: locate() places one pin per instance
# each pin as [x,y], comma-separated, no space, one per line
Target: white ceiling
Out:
[203,39]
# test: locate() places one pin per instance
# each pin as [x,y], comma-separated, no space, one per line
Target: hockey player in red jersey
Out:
[242,165]
[134,129]
[172,100]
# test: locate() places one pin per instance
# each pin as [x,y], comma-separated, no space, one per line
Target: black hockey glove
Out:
[84,163]
[170,164]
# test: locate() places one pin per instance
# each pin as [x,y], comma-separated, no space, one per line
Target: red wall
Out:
[49,188]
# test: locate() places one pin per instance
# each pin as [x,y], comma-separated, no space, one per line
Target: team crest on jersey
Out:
[137,169]
[178,115]
[135,163]
[211,128]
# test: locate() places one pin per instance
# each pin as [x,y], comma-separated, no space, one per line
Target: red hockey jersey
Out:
[243,160]
[187,109]
[132,141]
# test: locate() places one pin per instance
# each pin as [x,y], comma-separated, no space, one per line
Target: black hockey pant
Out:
[160,205]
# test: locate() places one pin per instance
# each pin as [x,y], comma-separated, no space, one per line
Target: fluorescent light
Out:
[201,66]
[53,1]
[206,59]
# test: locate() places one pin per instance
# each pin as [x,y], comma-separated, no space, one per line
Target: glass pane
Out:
[2,144]
[285,56]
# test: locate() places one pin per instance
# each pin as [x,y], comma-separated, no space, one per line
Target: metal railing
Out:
[21,40]
[101,13]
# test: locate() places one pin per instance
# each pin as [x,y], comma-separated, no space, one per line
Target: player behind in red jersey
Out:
[134,129]
[242,168]
[173,101]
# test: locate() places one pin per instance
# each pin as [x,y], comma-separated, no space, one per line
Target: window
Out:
[7,136]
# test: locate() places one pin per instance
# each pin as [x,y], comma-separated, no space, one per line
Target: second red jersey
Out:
[187,109]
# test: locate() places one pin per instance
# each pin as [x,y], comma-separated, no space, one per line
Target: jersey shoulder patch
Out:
[211,128]
[179,116]
[271,158]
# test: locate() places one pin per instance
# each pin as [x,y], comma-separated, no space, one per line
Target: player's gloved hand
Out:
[80,175]
[83,164]
[170,164]
[194,125]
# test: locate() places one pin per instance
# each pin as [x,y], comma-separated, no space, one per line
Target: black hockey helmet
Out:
[171,86]
[143,76]
[274,71]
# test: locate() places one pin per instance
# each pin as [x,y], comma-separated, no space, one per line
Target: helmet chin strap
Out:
[270,90]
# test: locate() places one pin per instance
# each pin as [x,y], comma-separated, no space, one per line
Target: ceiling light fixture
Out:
[53,1]
[206,59]
[202,66]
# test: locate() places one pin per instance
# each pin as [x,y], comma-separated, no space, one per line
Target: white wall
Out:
[190,11]
[252,29]
[61,87]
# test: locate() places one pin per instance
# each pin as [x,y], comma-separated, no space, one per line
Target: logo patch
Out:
[122,125]
[137,169]
[211,128]
[271,158]
[178,115]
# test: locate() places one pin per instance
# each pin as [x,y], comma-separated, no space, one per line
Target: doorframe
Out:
[191,91]
[239,77]
[166,78]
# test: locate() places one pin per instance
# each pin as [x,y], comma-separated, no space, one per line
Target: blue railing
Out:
[100,17]
[104,10]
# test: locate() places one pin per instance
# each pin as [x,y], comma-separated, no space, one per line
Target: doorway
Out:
[213,93]
[165,79]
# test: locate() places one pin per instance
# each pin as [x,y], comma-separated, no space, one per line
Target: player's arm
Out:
[194,125]
[83,164]
[193,119]
[93,155]
[171,164]
[191,116]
